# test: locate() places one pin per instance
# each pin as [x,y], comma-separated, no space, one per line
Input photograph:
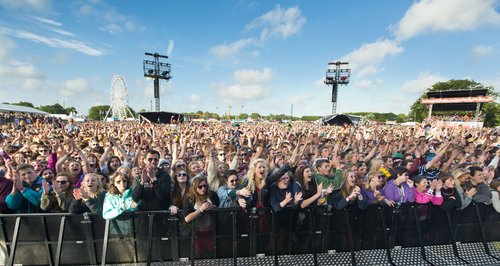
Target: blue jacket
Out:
[26,202]
[112,206]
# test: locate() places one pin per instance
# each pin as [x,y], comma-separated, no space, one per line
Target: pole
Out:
[291,113]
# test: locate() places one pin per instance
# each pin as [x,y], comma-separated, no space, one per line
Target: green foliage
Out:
[381,117]
[310,118]
[53,109]
[25,104]
[419,111]
[255,116]
[98,112]
[242,116]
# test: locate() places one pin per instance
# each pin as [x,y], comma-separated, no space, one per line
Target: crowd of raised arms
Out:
[114,167]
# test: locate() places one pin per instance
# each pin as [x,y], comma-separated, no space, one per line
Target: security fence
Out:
[146,237]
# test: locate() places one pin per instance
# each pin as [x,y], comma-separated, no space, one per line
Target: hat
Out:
[236,125]
[430,156]
[162,162]
[398,155]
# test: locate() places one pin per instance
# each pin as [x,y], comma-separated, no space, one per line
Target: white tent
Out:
[20,109]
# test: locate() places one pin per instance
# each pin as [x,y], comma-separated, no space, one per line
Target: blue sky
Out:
[255,56]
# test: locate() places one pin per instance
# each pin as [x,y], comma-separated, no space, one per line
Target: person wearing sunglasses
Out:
[372,189]
[179,192]
[153,188]
[57,197]
[230,194]
[199,201]
[119,197]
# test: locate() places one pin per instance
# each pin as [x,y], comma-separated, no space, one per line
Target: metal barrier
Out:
[145,237]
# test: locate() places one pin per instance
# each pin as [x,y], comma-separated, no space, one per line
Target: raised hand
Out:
[244,192]
[297,197]
[439,185]
[77,194]
[45,186]
[242,202]
[288,197]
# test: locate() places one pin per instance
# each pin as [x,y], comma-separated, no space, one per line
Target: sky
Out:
[267,57]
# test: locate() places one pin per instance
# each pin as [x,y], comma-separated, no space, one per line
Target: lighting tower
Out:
[156,70]
[336,75]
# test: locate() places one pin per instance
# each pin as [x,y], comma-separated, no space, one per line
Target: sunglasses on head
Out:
[62,182]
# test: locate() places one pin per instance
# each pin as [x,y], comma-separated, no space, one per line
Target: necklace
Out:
[448,192]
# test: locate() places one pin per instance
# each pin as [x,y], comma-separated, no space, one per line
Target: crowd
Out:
[190,169]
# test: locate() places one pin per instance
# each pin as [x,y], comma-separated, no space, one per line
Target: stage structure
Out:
[156,70]
[119,109]
[458,100]
[336,75]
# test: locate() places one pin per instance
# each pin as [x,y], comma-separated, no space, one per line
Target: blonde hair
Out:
[344,190]
[370,176]
[99,188]
[456,175]
[251,174]
[375,164]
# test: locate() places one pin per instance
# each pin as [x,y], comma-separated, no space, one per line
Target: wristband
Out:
[200,211]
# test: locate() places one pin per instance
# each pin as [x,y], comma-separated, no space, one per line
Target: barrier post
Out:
[273,236]
[174,236]
[420,238]
[89,238]
[483,235]
[326,228]
[193,236]
[351,241]
[60,239]
[150,236]
[386,238]
[253,232]
[453,238]
[105,243]
[46,240]
[312,235]
[235,243]
[13,245]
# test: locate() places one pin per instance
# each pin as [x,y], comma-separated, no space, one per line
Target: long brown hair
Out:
[344,189]
[113,190]
[193,195]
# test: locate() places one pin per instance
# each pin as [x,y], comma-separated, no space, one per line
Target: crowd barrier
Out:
[146,237]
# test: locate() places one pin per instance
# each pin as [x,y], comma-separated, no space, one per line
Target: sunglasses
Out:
[182,174]
[222,154]
[127,145]
[180,165]
[232,181]
[62,182]
[381,177]
[203,187]
[43,150]
[153,159]
[77,159]
[121,181]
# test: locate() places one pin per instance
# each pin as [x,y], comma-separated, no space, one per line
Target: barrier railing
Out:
[145,237]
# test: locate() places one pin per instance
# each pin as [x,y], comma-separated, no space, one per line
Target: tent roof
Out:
[20,109]
[457,93]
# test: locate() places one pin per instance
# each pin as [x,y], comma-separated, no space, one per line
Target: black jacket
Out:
[154,198]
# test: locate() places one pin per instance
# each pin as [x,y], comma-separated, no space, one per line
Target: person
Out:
[180,190]
[71,128]
[495,189]
[230,195]
[425,192]
[372,190]
[26,193]
[451,198]
[153,188]
[89,197]
[327,175]
[284,194]
[197,204]
[399,188]
[119,197]
[58,196]
[476,181]
[5,189]
[349,193]
[461,176]
[312,193]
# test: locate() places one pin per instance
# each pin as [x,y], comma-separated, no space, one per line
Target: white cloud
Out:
[364,60]
[48,21]
[224,51]
[60,58]
[196,98]
[368,83]
[62,32]
[279,22]
[35,5]
[250,85]
[424,81]
[446,15]
[248,76]
[75,87]
[7,44]
[170,47]
[481,51]
[53,42]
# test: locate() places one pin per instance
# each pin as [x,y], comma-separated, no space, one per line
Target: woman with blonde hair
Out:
[372,189]
[89,197]
[348,193]
[461,176]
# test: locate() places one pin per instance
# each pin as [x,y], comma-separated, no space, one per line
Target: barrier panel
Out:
[145,237]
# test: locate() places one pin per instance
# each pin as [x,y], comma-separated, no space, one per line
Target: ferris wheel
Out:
[119,99]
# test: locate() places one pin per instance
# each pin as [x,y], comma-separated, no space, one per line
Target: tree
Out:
[255,116]
[53,109]
[243,116]
[25,104]
[98,112]
[419,111]
[69,110]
